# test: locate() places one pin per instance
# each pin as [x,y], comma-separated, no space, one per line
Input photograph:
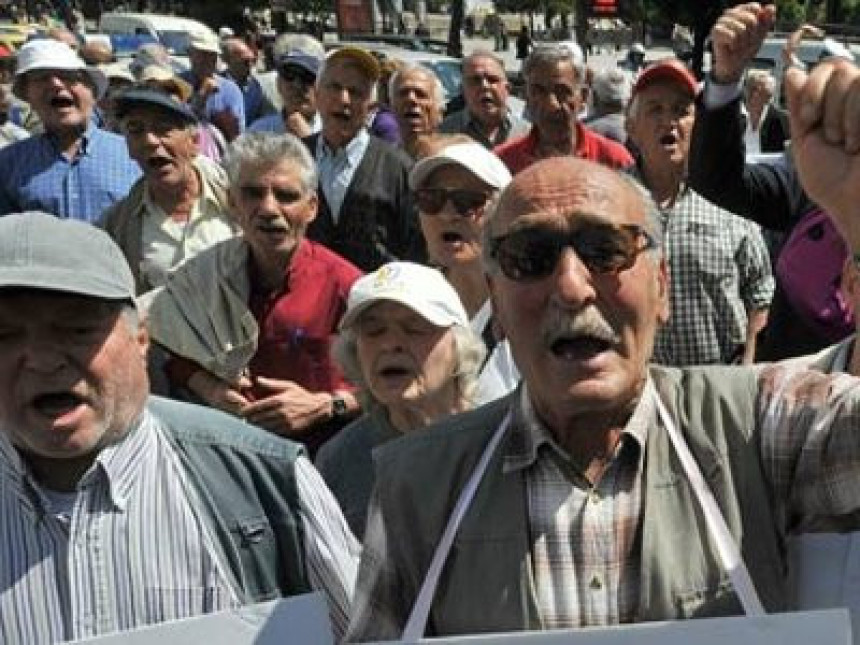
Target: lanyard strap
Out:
[417,623]
[727,549]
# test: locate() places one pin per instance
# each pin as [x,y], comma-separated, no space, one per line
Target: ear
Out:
[662,276]
[142,337]
[313,207]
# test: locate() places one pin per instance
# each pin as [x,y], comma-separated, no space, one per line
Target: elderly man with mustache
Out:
[568,503]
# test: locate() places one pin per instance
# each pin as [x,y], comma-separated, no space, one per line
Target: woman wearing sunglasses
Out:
[454,183]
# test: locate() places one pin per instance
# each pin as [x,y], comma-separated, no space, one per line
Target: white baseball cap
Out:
[205,41]
[47,53]
[422,289]
[472,156]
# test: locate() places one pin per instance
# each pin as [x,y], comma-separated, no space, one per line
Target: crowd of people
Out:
[463,372]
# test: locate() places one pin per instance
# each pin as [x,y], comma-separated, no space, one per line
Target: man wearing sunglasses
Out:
[722,283]
[579,496]
[297,75]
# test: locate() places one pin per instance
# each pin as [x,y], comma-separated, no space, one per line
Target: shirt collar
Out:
[88,139]
[354,150]
[529,434]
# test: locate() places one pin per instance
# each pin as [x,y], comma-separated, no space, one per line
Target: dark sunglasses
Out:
[292,74]
[431,200]
[533,253]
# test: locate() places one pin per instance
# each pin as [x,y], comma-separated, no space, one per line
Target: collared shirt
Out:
[228,97]
[166,242]
[520,153]
[252,96]
[582,564]
[720,272]
[135,549]
[463,121]
[337,168]
[36,175]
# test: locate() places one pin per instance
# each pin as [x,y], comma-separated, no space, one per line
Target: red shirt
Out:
[298,323]
[520,153]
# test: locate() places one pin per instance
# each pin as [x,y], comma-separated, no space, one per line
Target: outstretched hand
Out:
[737,37]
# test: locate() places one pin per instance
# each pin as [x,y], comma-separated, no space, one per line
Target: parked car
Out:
[171,31]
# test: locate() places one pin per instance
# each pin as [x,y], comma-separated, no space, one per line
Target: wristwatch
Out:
[339,408]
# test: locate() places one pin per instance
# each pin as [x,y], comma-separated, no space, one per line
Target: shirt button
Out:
[596,584]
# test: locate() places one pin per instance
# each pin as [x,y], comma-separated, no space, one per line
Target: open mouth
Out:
[452,237]
[62,102]
[157,163]
[56,404]
[579,347]
[668,140]
[343,117]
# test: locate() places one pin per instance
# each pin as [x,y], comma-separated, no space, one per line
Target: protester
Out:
[9,131]
[486,117]
[555,95]
[366,213]
[179,207]
[241,61]
[766,124]
[73,169]
[216,99]
[721,283]
[808,311]
[455,182]
[610,93]
[147,509]
[405,341]
[582,489]
[250,321]
[418,101]
[297,74]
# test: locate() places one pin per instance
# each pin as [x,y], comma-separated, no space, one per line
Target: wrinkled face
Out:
[343,100]
[485,88]
[240,60]
[161,144]
[453,239]
[661,124]
[273,208]
[297,88]
[63,99]
[554,96]
[203,64]
[415,104]
[582,339]
[404,359]
[72,373]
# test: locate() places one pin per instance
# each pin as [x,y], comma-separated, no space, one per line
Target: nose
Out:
[573,281]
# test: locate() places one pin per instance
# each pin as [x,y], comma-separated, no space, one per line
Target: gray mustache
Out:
[587,323]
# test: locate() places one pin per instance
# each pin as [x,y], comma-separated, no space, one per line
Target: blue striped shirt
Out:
[134,550]
[36,175]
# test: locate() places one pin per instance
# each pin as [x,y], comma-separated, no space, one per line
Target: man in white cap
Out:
[73,169]
[121,509]
[216,99]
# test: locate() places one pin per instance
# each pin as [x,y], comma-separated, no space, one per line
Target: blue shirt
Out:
[275,123]
[252,96]
[337,167]
[36,175]
[228,97]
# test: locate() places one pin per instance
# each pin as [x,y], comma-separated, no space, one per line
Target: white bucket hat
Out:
[472,156]
[205,41]
[419,288]
[47,53]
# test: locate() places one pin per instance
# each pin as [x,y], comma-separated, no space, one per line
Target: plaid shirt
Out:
[586,546]
[720,271]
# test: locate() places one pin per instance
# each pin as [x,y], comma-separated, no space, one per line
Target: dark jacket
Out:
[246,482]
[378,222]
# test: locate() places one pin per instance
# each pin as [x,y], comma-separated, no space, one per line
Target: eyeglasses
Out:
[533,253]
[431,200]
[295,74]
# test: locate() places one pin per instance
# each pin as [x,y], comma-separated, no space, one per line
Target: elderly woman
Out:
[406,342]
[179,207]
[455,182]
[249,322]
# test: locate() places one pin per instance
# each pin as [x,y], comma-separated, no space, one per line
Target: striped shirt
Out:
[133,549]
[36,175]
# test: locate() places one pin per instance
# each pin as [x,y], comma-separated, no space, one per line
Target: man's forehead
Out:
[563,186]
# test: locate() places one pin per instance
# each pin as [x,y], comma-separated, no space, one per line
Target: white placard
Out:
[298,620]
[828,627]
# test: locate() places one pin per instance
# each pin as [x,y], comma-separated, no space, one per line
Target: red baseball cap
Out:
[670,69]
